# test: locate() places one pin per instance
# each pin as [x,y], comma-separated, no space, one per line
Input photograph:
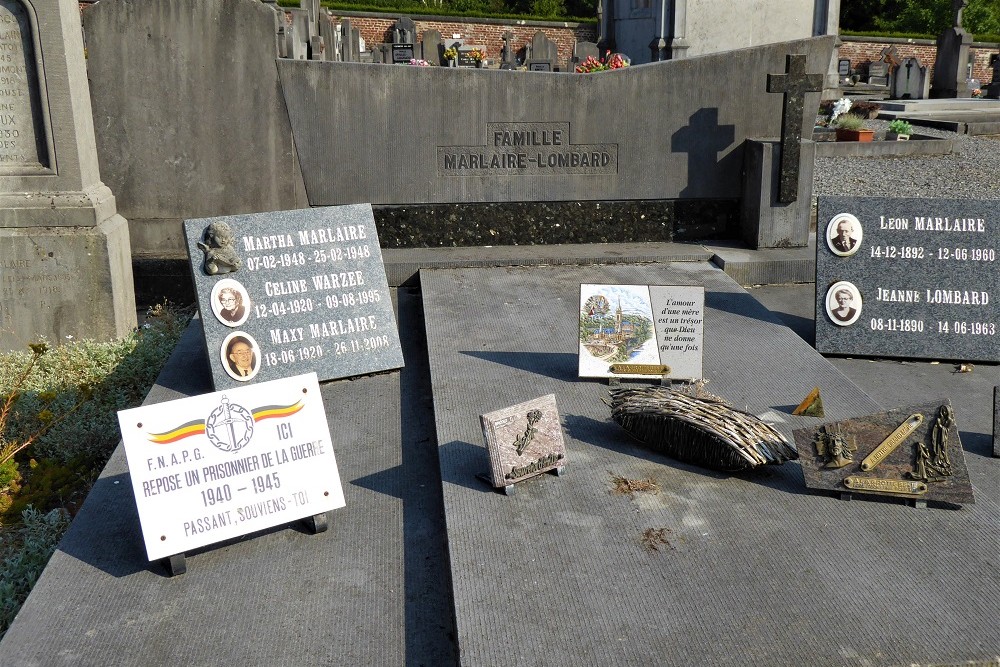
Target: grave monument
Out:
[66,269]
[950,68]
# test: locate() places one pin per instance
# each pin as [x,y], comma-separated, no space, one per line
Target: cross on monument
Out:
[794,83]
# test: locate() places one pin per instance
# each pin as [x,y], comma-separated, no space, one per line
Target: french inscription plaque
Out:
[209,468]
[524,440]
[23,145]
[913,453]
[289,292]
[909,278]
[635,331]
[535,149]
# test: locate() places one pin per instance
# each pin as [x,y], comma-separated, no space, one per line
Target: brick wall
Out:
[377,29]
[862,51]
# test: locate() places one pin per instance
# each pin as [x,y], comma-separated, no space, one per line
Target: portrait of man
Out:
[230,302]
[240,357]
[843,235]
[843,303]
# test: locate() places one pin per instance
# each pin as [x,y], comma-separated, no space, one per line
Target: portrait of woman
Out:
[230,302]
[843,303]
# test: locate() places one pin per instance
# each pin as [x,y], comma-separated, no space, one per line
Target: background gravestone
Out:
[65,269]
[543,50]
[909,81]
[168,147]
[950,67]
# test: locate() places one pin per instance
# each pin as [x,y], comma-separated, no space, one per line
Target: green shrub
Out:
[900,126]
[849,121]
[24,553]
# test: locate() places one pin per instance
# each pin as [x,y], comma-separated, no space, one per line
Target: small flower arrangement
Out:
[977,92]
[592,64]
[900,126]
[419,63]
[478,55]
[451,53]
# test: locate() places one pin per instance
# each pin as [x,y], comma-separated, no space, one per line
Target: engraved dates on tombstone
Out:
[23,149]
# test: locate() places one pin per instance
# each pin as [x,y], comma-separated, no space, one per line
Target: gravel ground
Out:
[972,171]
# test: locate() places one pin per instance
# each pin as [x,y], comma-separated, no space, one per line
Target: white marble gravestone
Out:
[65,263]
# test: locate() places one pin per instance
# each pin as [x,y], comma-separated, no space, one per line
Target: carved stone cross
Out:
[794,83]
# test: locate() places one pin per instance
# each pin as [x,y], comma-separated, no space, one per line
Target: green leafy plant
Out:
[900,126]
[849,121]
[58,426]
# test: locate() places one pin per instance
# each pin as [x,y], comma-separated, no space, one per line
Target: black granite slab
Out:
[922,274]
[311,295]
[541,223]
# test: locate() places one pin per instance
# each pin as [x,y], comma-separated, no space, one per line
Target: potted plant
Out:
[478,55]
[899,130]
[451,55]
[851,128]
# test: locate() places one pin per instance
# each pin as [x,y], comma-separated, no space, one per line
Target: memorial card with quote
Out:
[641,331]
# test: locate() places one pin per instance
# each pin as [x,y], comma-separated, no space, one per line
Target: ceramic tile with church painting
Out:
[616,327]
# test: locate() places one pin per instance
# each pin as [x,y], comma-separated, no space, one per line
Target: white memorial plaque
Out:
[212,467]
[641,331]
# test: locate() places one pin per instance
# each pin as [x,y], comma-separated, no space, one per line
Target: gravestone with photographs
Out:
[908,278]
[288,292]
[65,264]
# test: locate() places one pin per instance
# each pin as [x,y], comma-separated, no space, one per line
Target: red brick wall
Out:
[377,29]
[862,52]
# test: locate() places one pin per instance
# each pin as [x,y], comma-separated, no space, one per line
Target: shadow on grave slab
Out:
[556,365]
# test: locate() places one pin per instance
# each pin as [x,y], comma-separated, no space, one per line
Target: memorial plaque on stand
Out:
[289,292]
[913,453]
[524,440]
[642,331]
[209,468]
[911,278]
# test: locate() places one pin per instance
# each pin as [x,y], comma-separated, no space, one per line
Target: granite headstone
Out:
[289,292]
[65,263]
[908,278]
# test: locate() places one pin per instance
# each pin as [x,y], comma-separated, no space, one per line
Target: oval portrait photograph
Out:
[844,234]
[240,356]
[230,302]
[843,303]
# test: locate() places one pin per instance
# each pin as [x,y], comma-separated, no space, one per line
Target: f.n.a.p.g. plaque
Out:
[912,453]
[523,441]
